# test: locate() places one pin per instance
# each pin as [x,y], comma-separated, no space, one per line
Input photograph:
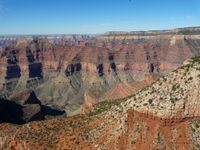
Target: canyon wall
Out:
[164,115]
[86,70]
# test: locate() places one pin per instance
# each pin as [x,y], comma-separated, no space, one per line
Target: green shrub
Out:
[190,78]
[150,101]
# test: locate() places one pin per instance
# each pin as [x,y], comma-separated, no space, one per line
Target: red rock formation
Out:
[61,74]
[171,120]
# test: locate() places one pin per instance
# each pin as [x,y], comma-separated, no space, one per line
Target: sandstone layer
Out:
[72,71]
[164,115]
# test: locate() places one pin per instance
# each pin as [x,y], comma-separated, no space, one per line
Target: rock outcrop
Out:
[89,69]
[164,115]
[11,112]
[27,109]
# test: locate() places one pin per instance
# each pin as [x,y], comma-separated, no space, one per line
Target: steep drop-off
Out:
[89,70]
[164,115]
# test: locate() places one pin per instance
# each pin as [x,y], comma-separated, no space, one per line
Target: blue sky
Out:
[95,16]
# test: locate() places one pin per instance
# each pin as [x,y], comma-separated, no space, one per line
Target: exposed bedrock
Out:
[70,76]
[25,108]
[12,112]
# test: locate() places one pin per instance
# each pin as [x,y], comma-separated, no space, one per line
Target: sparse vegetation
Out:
[145,104]
[104,106]
[150,101]
[175,87]
[103,119]
[133,142]
[158,137]
[190,78]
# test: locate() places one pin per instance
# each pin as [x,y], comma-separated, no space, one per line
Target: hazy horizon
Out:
[36,17]
[93,34]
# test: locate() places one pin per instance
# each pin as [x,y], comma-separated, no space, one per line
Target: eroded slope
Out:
[164,115]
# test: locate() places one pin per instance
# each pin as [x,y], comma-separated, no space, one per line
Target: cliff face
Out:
[164,115]
[84,70]
[161,50]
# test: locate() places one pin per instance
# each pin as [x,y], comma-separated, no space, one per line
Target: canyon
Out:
[71,72]
[164,115]
[119,90]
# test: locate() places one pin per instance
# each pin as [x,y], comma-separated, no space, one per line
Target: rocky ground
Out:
[69,72]
[164,115]
[107,80]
